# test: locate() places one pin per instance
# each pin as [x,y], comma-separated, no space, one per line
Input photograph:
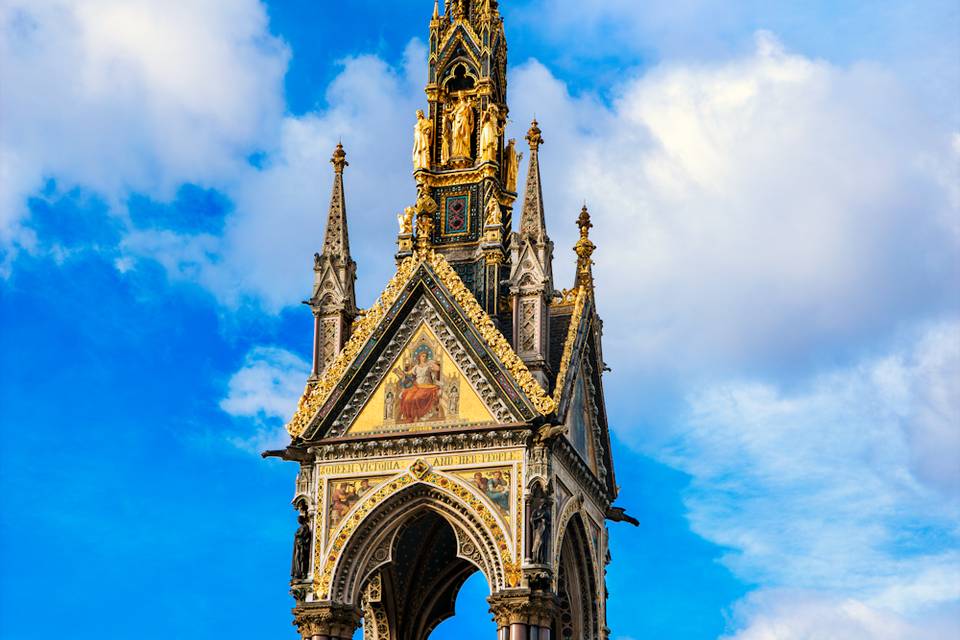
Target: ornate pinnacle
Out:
[533,135]
[436,10]
[339,159]
[584,249]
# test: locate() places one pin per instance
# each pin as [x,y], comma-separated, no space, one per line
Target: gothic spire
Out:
[334,301]
[336,242]
[532,221]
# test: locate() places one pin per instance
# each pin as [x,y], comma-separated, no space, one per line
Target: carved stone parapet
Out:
[523,606]
[326,619]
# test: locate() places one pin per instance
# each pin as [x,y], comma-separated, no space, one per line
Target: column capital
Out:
[326,619]
[523,606]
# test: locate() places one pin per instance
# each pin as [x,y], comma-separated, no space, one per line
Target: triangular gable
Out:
[424,389]
[352,375]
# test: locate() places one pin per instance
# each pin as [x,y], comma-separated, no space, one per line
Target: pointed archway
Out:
[577,596]
[412,554]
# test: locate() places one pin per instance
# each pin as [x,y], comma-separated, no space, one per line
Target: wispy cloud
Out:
[264,393]
[846,492]
[123,96]
[763,212]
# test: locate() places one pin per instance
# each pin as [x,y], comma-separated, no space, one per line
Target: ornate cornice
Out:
[418,444]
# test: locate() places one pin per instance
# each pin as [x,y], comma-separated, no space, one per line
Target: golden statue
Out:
[494,214]
[422,141]
[513,166]
[462,131]
[406,221]
[445,134]
[490,134]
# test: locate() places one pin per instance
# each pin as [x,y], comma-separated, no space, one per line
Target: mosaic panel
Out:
[423,390]
[494,484]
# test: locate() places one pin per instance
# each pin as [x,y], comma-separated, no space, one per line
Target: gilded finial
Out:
[584,249]
[339,159]
[436,9]
[534,136]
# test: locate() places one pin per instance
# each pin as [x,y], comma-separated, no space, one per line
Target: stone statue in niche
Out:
[462,131]
[301,548]
[422,141]
[490,134]
[539,525]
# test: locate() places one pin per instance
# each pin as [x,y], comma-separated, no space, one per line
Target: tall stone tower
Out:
[458,424]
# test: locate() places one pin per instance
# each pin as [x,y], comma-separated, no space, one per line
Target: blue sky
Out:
[775,192]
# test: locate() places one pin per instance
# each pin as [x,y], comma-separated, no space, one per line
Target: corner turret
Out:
[334,302]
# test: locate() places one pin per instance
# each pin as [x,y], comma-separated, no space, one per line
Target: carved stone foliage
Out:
[523,606]
[326,619]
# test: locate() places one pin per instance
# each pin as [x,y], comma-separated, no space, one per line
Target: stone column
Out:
[326,621]
[523,614]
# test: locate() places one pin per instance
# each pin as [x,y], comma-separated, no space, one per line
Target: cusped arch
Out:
[362,549]
[576,582]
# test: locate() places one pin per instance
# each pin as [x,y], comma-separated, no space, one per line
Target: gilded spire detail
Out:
[584,249]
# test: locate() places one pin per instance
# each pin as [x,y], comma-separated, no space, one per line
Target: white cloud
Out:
[786,615]
[758,212]
[846,492]
[281,209]
[122,96]
[265,392]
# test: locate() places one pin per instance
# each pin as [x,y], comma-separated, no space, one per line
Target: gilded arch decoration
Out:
[350,554]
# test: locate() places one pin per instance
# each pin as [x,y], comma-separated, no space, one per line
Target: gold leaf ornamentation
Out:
[323,579]
[581,301]
[318,391]
[492,336]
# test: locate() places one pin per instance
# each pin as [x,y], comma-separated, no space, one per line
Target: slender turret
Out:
[531,280]
[334,273]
